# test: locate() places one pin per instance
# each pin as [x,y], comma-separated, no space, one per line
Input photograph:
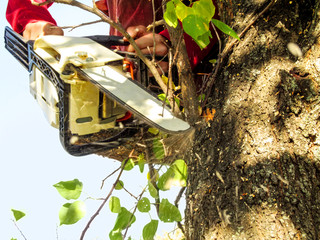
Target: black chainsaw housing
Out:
[76,145]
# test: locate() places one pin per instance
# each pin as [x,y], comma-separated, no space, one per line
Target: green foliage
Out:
[163,97]
[158,149]
[176,175]
[168,212]
[17,214]
[152,190]
[144,205]
[150,230]
[119,185]
[124,220]
[129,164]
[71,213]
[170,14]
[141,162]
[196,20]
[114,204]
[225,28]
[69,189]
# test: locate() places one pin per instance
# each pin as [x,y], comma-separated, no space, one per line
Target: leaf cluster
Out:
[195,20]
[71,213]
[175,175]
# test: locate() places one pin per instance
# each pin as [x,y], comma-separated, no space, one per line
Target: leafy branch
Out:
[102,204]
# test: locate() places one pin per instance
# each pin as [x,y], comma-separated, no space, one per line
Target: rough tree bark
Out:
[254,171]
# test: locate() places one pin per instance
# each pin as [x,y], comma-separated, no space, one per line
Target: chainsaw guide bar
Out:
[83,90]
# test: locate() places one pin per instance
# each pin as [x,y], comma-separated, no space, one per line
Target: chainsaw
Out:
[84,90]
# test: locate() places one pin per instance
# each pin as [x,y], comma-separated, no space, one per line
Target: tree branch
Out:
[132,215]
[176,203]
[103,203]
[188,88]
[81,25]
[102,184]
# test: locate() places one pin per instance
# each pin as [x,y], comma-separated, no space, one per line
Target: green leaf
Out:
[168,212]
[204,8]
[180,172]
[115,235]
[141,162]
[196,26]
[182,11]
[129,164]
[164,182]
[158,149]
[154,131]
[170,15]
[124,219]
[152,190]
[203,40]
[114,204]
[17,214]
[150,230]
[69,189]
[13,239]
[176,175]
[201,97]
[119,185]
[163,97]
[71,213]
[225,28]
[144,205]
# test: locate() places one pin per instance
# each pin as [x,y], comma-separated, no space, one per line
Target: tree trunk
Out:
[254,171]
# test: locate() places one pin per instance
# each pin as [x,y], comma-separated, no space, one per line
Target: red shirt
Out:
[128,12]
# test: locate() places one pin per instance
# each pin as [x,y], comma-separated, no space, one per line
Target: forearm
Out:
[21,12]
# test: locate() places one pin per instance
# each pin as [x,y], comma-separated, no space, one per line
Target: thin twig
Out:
[126,190]
[170,79]
[211,78]
[132,215]
[103,203]
[42,3]
[81,25]
[152,176]
[176,203]
[16,225]
[102,184]
[155,24]
[57,232]
[154,31]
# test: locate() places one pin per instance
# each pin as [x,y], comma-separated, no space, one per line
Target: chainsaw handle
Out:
[108,41]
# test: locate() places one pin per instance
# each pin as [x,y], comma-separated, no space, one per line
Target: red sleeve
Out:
[21,12]
[196,55]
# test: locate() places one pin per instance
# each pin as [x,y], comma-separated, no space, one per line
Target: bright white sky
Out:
[32,159]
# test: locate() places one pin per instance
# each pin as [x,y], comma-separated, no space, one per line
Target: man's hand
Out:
[40,28]
[147,42]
